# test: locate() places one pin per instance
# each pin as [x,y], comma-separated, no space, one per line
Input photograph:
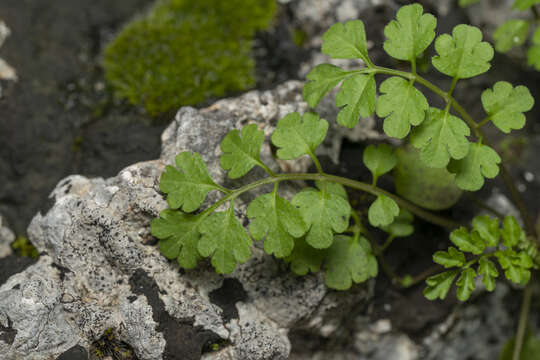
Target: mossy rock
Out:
[23,247]
[430,188]
[186,51]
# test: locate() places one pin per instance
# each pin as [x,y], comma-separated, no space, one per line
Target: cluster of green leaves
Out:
[312,231]
[515,32]
[441,136]
[480,247]
[185,51]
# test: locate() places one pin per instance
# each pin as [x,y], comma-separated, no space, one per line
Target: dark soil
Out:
[60,118]
[57,119]
[184,341]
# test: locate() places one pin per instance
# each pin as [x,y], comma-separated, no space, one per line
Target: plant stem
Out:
[529,226]
[452,87]
[483,122]
[316,162]
[266,168]
[485,206]
[535,13]
[425,274]
[421,213]
[523,321]
[387,269]
[387,243]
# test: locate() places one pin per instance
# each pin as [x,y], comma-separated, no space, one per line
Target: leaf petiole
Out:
[373,190]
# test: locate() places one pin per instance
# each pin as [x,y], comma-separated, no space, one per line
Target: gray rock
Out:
[6,238]
[102,270]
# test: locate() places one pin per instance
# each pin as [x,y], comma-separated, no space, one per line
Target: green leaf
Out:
[305,258]
[489,272]
[524,260]
[465,284]
[178,236]
[505,105]
[410,34]
[296,136]
[450,259]
[464,54]
[356,98]
[465,3]
[241,150]
[277,221]
[402,224]
[321,80]
[516,265]
[467,242]
[511,231]
[488,229]
[439,285]
[382,211]
[512,33]
[529,350]
[379,159]
[346,41]
[440,137]
[430,188]
[525,4]
[402,105]
[481,161]
[334,188]
[324,213]
[187,188]
[225,239]
[533,54]
[348,261]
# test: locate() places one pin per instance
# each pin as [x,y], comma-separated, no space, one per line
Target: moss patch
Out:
[186,51]
[23,247]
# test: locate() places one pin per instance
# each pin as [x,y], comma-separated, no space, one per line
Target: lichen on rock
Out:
[100,268]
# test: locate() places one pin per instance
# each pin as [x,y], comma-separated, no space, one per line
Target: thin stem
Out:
[413,66]
[452,86]
[523,321]
[387,269]
[483,122]
[267,169]
[507,178]
[373,190]
[223,189]
[357,220]
[535,13]
[316,162]
[387,243]
[424,275]
[485,206]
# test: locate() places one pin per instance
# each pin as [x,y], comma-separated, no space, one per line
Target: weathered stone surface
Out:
[6,238]
[103,271]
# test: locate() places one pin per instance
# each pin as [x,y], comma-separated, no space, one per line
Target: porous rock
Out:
[101,272]
[6,238]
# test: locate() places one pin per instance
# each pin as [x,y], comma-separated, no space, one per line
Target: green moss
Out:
[186,51]
[299,37]
[23,247]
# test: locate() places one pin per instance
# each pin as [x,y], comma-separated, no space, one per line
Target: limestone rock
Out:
[101,272]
